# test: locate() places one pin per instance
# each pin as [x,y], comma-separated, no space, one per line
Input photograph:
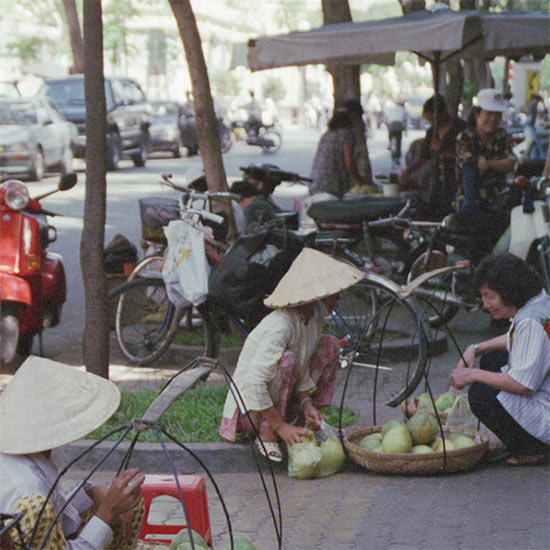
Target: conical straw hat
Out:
[313,275]
[48,404]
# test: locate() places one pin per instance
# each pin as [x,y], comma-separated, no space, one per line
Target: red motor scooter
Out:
[32,279]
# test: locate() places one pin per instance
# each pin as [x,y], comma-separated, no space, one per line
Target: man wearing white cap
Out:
[287,367]
[46,405]
[483,158]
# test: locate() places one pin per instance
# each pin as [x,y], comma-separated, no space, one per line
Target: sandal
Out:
[527,460]
[272,449]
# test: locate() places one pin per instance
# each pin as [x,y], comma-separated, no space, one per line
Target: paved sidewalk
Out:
[493,507]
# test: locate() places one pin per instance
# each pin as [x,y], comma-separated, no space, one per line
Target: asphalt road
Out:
[128,184]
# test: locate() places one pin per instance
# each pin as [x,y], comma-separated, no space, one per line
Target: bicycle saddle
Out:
[355,210]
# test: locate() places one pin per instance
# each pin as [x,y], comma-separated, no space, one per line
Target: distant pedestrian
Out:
[396,121]
[334,163]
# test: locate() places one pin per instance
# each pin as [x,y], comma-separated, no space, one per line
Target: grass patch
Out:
[196,338]
[193,418]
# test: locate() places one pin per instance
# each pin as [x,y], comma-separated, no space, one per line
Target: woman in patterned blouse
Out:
[484,158]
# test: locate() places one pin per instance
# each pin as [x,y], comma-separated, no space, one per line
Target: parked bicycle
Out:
[379,331]
[437,246]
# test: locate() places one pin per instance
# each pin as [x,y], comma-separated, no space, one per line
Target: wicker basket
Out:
[416,464]
[410,406]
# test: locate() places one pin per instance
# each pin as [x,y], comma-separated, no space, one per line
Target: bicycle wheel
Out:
[420,263]
[145,319]
[385,336]
[147,322]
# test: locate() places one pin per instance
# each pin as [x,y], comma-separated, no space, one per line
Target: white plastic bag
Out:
[185,271]
[462,416]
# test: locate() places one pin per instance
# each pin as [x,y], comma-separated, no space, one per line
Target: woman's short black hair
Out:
[340,119]
[515,281]
[430,104]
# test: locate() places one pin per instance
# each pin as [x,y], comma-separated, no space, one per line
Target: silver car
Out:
[34,137]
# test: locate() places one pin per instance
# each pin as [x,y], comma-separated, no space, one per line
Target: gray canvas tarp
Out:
[436,36]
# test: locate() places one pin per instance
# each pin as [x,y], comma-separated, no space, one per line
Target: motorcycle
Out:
[261,135]
[32,279]
[366,227]
[533,146]
[439,269]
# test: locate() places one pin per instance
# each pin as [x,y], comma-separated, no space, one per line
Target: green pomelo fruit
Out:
[437,446]
[423,428]
[425,402]
[393,423]
[397,440]
[183,538]
[306,439]
[240,543]
[419,449]
[445,401]
[463,441]
[371,442]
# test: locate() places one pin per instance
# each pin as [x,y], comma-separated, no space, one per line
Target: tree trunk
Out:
[96,331]
[207,124]
[346,83]
[77,44]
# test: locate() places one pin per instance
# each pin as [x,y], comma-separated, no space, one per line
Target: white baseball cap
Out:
[492,100]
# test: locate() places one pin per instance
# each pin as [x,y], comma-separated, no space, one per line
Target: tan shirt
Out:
[256,373]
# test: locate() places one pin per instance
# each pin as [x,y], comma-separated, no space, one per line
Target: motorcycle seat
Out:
[362,209]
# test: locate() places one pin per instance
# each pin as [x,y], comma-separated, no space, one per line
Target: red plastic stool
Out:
[193,490]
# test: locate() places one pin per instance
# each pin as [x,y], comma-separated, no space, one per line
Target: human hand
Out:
[292,434]
[123,495]
[482,164]
[461,376]
[435,146]
[468,359]
[312,415]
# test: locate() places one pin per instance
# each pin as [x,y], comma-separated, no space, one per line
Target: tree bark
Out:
[77,44]
[207,124]
[96,331]
[346,83]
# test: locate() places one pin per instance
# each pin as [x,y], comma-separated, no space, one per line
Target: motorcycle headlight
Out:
[16,194]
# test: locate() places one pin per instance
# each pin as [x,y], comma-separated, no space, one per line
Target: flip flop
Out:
[273,450]
[527,460]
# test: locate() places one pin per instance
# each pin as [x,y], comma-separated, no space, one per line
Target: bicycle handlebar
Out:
[207,215]
[191,193]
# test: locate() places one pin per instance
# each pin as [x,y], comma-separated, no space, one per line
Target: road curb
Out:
[218,458]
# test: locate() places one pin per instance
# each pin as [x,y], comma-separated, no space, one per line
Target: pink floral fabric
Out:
[322,370]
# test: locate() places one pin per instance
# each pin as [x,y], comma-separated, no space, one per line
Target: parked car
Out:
[34,137]
[413,107]
[128,116]
[165,130]
[8,88]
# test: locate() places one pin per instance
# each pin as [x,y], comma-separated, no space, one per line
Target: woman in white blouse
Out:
[287,367]
[510,393]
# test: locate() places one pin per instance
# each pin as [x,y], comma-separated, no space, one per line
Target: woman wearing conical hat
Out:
[287,367]
[47,405]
